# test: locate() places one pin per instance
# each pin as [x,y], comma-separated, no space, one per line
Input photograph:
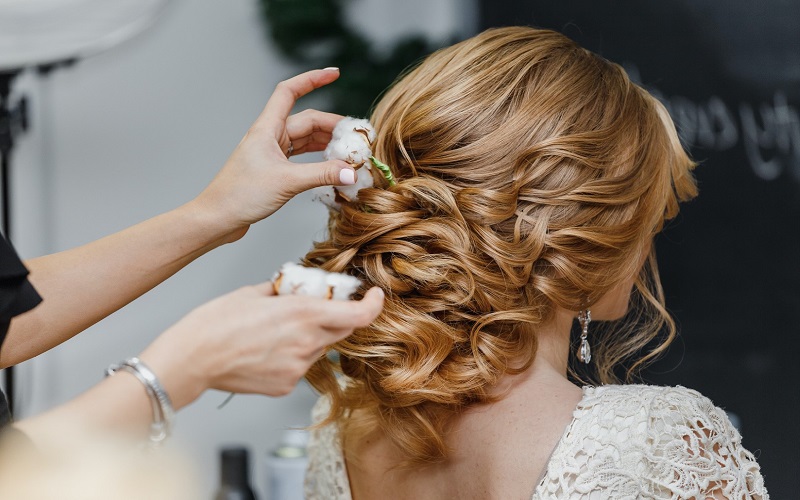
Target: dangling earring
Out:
[584,351]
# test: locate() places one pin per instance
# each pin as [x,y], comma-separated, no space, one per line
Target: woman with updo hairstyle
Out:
[532,176]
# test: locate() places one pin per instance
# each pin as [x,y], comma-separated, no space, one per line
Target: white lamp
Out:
[40,32]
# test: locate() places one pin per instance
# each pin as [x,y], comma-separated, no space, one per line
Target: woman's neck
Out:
[550,361]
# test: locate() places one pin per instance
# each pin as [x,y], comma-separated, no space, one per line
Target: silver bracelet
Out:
[163,414]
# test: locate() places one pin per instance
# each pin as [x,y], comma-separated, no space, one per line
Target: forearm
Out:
[118,404]
[84,285]
[246,342]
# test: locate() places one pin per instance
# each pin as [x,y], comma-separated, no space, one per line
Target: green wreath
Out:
[313,34]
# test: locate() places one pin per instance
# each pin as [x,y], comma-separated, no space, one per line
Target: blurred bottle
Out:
[235,475]
[286,466]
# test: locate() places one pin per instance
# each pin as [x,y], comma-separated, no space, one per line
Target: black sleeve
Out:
[17,296]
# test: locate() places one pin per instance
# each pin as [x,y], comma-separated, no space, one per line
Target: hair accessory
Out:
[163,413]
[584,351]
[294,279]
[351,141]
[385,170]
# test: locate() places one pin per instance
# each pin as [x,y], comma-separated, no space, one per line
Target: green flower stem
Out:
[384,168]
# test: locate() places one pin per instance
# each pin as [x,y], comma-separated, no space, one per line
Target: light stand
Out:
[13,121]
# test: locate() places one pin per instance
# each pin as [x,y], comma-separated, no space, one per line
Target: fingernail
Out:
[331,68]
[347,176]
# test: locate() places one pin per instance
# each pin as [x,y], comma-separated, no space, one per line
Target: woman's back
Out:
[498,450]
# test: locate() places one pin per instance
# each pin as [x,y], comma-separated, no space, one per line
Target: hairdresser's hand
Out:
[258,178]
[250,341]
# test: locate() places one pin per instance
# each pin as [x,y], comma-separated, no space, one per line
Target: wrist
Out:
[160,402]
[214,226]
[221,211]
[183,381]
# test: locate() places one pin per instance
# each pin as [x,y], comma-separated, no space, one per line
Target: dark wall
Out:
[729,71]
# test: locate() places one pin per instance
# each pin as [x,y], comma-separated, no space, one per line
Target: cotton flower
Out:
[327,196]
[294,279]
[365,180]
[351,141]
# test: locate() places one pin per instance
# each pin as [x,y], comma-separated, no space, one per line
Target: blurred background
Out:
[141,128]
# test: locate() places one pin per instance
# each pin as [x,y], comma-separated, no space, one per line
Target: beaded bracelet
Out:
[163,413]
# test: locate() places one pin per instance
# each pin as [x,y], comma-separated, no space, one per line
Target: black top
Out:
[17,296]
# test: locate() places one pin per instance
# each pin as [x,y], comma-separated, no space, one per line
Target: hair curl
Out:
[531,175]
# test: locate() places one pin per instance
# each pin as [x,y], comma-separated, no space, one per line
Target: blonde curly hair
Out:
[531,175]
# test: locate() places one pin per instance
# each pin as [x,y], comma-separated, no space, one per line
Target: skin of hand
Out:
[258,178]
[250,341]
[247,341]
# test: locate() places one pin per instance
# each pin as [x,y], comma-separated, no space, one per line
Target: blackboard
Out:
[729,72]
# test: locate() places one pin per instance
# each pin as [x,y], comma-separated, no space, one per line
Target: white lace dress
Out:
[624,442]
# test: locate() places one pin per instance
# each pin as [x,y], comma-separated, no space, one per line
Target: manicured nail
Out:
[331,68]
[347,176]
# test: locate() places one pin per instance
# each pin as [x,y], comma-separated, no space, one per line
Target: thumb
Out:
[326,173]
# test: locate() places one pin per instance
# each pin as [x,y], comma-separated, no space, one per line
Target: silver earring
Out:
[584,351]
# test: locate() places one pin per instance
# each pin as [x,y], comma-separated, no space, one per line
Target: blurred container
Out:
[235,475]
[286,466]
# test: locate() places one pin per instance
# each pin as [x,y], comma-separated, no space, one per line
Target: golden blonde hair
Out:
[531,175]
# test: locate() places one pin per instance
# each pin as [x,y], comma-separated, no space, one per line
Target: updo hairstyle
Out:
[531,174]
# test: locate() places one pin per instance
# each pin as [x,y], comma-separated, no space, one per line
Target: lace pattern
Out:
[625,442]
[326,475]
[637,441]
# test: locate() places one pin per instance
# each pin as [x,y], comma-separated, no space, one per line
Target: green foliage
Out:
[314,34]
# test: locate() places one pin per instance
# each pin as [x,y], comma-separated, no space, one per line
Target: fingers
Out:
[316,141]
[334,314]
[309,121]
[289,91]
[350,314]
[327,173]
[310,130]
[340,313]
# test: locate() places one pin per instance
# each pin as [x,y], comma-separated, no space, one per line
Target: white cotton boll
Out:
[349,124]
[365,180]
[338,150]
[342,286]
[351,141]
[294,279]
[359,156]
[327,196]
[352,149]
[363,126]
